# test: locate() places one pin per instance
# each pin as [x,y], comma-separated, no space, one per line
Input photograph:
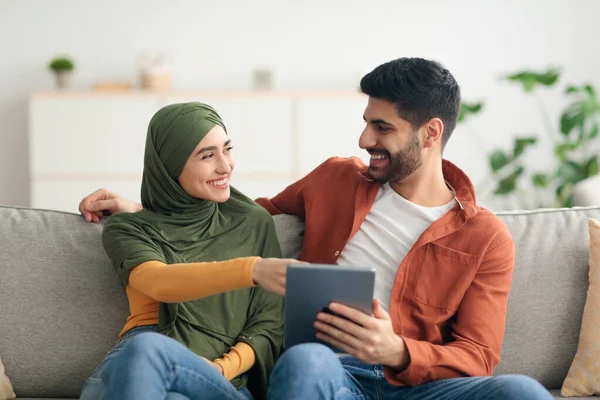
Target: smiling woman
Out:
[191,261]
[207,172]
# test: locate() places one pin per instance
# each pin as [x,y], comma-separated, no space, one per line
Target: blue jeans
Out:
[148,365]
[313,371]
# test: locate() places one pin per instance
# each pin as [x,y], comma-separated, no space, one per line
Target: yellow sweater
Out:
[155,282]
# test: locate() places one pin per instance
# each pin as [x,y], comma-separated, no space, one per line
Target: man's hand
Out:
[369,339]
[214,365]
[270,273]
[102,202]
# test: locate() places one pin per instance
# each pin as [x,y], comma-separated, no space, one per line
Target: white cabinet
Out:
[89,135]
[260,129]
[329,126]
[65,193]
[79,142]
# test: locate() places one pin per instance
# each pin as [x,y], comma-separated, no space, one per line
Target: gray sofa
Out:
[62,306]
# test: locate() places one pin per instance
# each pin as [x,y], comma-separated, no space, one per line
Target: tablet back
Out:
[311,287]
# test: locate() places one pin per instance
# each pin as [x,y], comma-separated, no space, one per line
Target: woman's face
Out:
[207,172]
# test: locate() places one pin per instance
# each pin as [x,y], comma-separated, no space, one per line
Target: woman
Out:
[199,327]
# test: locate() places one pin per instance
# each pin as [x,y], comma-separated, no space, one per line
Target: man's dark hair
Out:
[420,89]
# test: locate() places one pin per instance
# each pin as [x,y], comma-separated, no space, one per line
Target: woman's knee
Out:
[144,344]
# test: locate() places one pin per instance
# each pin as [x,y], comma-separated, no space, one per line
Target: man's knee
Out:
[308,359]
[519,386]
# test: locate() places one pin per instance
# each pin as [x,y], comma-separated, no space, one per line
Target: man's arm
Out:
[102,202]
[292,200]
[478,330]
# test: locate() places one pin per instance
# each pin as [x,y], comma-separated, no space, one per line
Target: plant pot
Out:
[63,79]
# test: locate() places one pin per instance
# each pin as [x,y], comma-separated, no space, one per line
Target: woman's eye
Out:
[229,148]
[207,156]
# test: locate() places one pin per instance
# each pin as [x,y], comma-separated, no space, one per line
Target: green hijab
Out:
[175,227]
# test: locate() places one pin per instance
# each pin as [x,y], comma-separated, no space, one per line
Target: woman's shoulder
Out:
[259,213]
[123,222]
[250,209]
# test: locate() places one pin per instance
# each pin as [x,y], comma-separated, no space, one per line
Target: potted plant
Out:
[62,68]
[572,156]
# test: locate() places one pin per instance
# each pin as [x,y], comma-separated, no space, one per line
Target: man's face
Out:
[392,142]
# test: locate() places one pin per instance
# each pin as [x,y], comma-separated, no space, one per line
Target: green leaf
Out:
[562,149]
[591,167]
[548,78]
[467,109]
[504,188]
[593,131]
[564,195]
[509,183]
[540,180]
[521,144]
[498,160]
[61,64]
[569,120]
[529,79]
[569,172]
[571,89]
[583,107]
[525,78]
[590,90]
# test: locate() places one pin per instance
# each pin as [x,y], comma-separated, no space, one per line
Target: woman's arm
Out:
[239,360]
[175,283]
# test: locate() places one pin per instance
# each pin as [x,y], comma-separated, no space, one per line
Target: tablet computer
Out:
[311,287]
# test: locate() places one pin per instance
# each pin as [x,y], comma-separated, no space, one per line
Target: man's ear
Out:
[434,128]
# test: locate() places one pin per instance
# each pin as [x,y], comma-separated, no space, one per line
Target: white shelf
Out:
[83,140]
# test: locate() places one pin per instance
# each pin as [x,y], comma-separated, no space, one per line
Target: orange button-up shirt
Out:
[450,293]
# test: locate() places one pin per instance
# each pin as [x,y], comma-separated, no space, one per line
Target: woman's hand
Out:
[270,273]
[102,202]
[214,365]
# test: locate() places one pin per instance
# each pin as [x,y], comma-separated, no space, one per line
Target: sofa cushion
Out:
[548,292]
[556,394]
[62,303]
[584,375]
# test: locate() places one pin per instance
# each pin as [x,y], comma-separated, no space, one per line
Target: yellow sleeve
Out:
[240,359]
[174,283]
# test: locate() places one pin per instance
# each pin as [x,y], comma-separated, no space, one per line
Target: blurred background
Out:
[80,80]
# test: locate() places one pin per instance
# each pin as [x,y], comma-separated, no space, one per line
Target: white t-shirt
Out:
[389,231]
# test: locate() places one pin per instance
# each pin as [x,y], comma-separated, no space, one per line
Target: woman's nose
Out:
[224,167]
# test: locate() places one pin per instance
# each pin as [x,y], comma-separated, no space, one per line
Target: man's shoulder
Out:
[488,225]
[340,166]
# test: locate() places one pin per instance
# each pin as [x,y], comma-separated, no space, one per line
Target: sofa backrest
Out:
[62,306]
[550,284]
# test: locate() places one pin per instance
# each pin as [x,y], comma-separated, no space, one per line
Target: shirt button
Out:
[337,253]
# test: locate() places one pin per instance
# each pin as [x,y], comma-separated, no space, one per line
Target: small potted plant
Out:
[62,68]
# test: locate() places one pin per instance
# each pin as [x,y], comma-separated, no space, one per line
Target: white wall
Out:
[310,45]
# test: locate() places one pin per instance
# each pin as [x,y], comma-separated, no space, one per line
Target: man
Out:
[444,265]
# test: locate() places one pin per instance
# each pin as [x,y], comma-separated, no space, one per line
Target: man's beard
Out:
[400,165]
